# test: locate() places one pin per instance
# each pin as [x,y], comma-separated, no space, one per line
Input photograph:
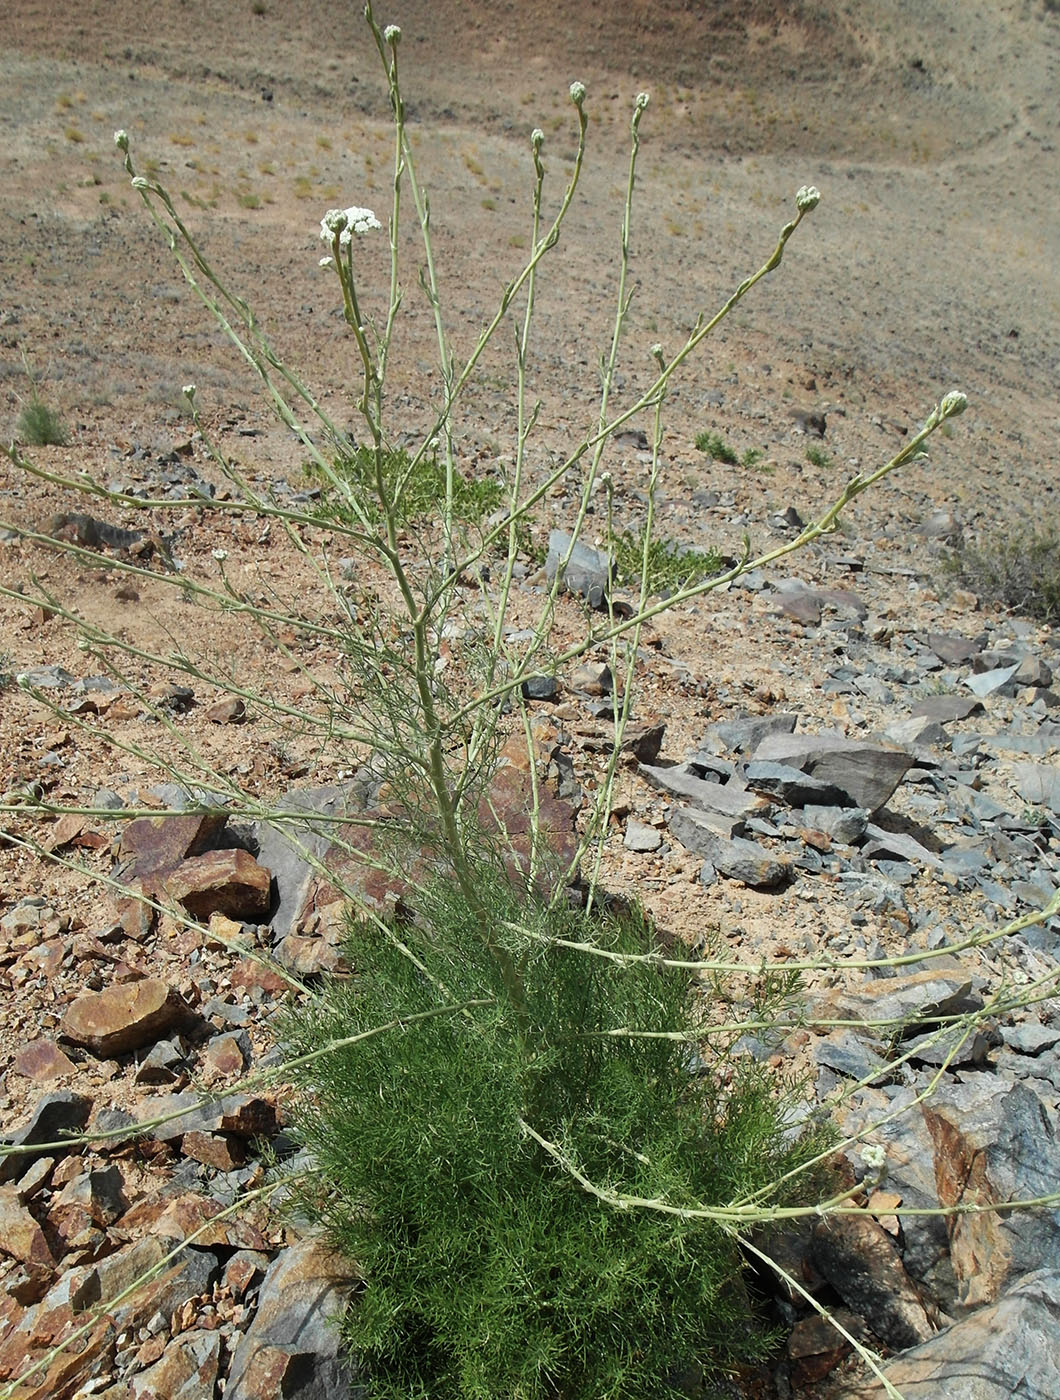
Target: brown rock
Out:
[161,843]
[225,1151]
[252,975]
[187,1369]
[815,1347]
[230,710]
[227,882]
[124,1017]
[223,1058]
[191,1214]
[42,1061]
[21,1237]
[995,1141]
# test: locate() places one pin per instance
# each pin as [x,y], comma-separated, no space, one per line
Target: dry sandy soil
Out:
[930,128]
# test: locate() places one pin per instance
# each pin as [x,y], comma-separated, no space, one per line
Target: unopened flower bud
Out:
[392,35]
[188,391]
[953,403]
[807,198]
[577,93]
[139,183]
[537,138]
[642,100]
[121,140]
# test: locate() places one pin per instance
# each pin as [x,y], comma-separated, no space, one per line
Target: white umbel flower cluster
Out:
[346,223]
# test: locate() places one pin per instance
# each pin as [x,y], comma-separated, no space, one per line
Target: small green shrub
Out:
[715,446]
[752,457]
[670,568]
[40,426]
[489,1270]
[818,457]
[1018,570]
[416,488]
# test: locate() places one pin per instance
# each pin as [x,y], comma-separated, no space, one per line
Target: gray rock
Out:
[746,733]
[540,688]
[288,849]
[791,785]
[697,829]
[993,1142]
[847,1053]
[910,1001]
[998,682]
[954,651]
[898,844]
[292,1347]
[1010,1349]
[587,571]
[54,1116]
[729,799]
[744,861]
[945,708]
[861,1262]
[48,677]
[902,1133]
[867,773]
[1033,672]
[641,837]
[847,825]
[916,729]
[1030,1038]
[1039,783]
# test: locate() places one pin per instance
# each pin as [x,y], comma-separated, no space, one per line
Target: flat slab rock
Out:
[868,773]
[745,861]
[1009,1349]
[124,1017]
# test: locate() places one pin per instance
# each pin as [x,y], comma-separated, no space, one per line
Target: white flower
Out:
[347,222]
[121,139]
[220,555]
[139,183]
[955,402]
[392,34]
[875,1158]
[188,391]
[577,93]
[327,262]
[807,198]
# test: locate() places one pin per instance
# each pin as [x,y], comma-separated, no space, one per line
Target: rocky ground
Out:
[841,755]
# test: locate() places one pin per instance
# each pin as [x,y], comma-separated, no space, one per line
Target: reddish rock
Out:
[124,1017]
[225,1151]
[507,813]
[995,1141]
[187,1370]
[191,1214]
[223,1058]
[42,1061]
[227,882]
[21,1237]
[815,1347]
[230,710]
[163,842]
[256,976]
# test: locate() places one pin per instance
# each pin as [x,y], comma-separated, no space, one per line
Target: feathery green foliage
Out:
[715,446]
[669,566]
[40,426]
[489,1270]
[415,488]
